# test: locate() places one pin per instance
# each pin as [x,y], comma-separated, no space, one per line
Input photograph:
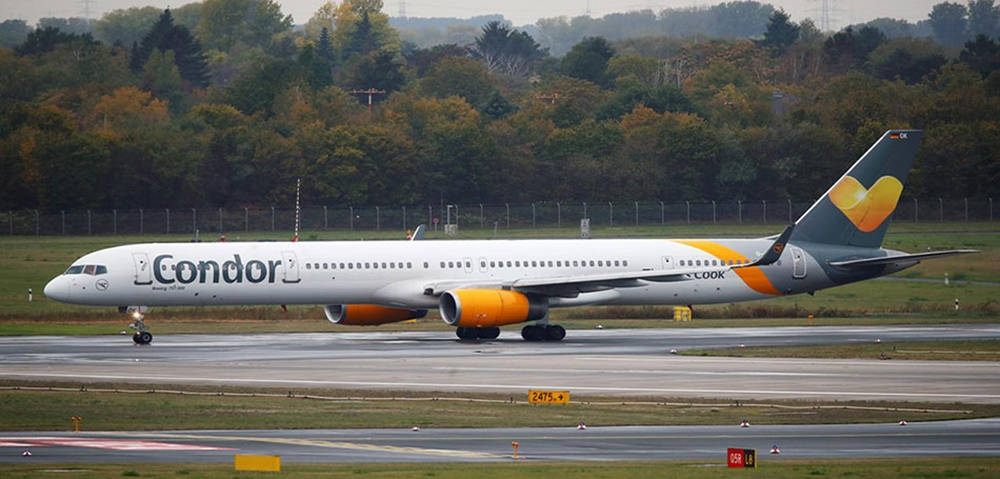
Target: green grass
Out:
[773,468]
[225,407]
[983,350]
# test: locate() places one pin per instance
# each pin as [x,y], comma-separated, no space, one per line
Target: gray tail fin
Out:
[855,211]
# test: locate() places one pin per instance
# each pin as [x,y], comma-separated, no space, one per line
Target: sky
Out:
[520,12]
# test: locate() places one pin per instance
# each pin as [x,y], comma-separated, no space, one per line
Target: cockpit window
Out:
[91,269]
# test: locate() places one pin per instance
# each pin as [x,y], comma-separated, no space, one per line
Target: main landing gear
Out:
[543,332]
[477,333]
[142,335]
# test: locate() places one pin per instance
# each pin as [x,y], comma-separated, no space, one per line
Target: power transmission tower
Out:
[402,8]
[827,12]
[86,8]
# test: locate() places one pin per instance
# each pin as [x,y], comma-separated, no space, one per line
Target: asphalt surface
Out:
[979,437]
[624,362]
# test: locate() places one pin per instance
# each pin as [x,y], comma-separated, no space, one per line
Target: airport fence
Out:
[543,214]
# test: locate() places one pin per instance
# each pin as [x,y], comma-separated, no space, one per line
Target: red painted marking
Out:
[14,444]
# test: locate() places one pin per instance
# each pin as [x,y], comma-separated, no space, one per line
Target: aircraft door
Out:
[290,267]
[483,265]
[798,264]
[143,270]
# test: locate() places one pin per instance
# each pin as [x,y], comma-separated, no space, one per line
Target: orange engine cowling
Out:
[490,307]
[369,314]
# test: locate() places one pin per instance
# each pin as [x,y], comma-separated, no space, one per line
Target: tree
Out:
[497,106]
[44,40]
[982,55]
[125,26]
[164,36]
[780,31]
[588,60]
[458,76]
[850,49]
[324,47]
[378,70]
[363,39]
[909,59]
[13,32]
[161,76]
[507,51]
[74,25]
[225,23]
[949,22]
[984,18]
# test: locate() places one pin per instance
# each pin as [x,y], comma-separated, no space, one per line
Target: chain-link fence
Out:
[544,214]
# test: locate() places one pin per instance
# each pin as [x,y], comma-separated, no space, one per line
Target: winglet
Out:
[774,252]
[418,234]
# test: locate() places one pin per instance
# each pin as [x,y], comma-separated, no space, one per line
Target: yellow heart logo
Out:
[866,208]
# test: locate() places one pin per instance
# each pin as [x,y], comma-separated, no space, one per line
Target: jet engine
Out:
[369,314]
[479,308]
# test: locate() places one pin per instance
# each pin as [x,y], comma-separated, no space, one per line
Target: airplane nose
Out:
[57,289]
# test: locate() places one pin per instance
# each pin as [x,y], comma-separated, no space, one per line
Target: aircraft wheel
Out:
[555,332]
[489,333]
[466,333]
[532,333]
[135,338]
[145,337]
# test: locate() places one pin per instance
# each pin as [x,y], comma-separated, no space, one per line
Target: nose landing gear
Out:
[142,335]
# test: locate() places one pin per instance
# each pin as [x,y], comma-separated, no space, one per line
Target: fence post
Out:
[991,209]
[272,219]
[430,217]
[350,211]
[584,209]
[10,222]
[482,219]
[941,210]
[220,221]
[558,215]
[36,223]
[764,206]
[326,218]
[789,211]
[114,219]
[611,213]
[378,219]
[168,220]
[456,215]
[663,216]
[637,213]
[194,221]
[89,224]
[532,215]
[141,221]
[966,210]
[713,212]
[915,209]
[508,214]
[404,218]
[739,211]
[688,203]
[63,214]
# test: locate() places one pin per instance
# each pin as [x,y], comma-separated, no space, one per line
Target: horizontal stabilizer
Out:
[858,263]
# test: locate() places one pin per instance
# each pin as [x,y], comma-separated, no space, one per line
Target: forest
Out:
[225,103]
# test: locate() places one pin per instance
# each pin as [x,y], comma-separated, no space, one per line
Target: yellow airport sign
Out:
[541,396]
[249,462]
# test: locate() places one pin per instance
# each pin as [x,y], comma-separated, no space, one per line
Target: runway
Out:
[627,362]
[979,437]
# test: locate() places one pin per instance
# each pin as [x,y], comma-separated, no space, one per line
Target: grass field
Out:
[773,468]
[29,262]
[986,350]
[166,407]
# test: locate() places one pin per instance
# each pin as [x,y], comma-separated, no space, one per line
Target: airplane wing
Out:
[571,286]
[860,263]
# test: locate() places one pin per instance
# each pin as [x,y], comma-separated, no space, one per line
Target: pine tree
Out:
[165,36]
[325,47]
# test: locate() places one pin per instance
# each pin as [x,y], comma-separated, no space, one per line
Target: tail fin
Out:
[855,211]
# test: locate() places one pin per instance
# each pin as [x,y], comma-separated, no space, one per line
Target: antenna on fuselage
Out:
[298,211]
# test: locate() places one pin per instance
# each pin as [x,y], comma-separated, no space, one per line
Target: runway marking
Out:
[327,444]
[650,371]
[113,444]
[735,392]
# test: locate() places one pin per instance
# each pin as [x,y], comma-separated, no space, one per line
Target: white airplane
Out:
[479,286]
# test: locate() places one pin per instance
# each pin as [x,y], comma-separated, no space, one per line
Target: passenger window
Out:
[468,264]
[508,264]
[592,262]
[574,263]
[374,265]
[357,265]
[442,265]
[308,265]
[624,262]
[534,264]
[451,264]
[697,262]
[101,269]
[426,265]
[559,263]
[409,265]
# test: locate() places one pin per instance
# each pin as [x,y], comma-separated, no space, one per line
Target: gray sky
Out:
[519,11]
